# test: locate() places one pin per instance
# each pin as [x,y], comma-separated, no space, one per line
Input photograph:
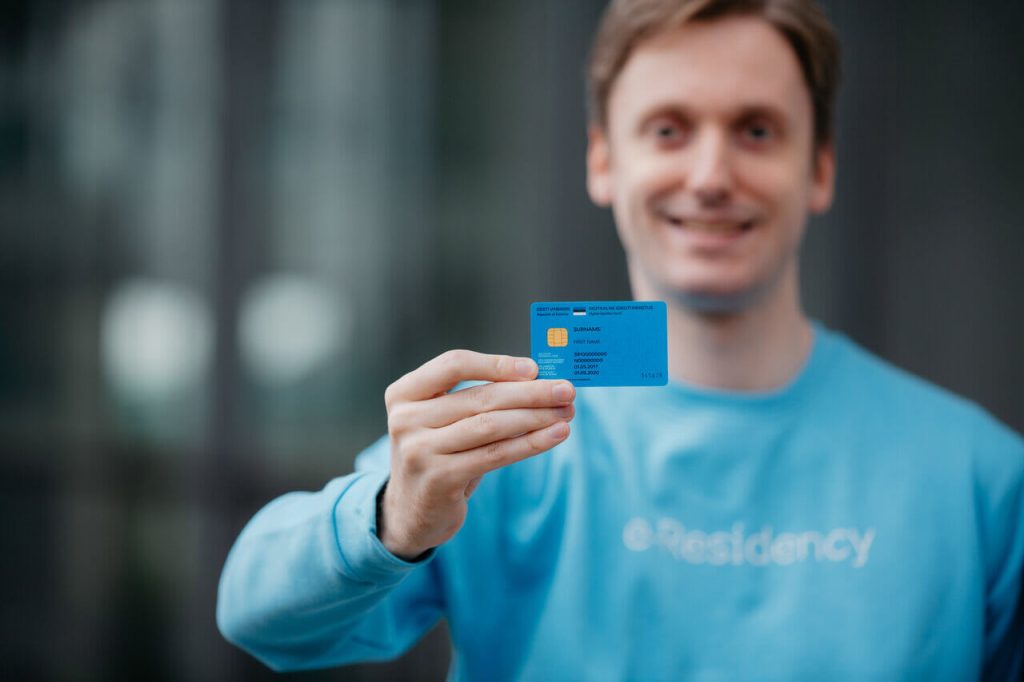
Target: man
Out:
[787,508]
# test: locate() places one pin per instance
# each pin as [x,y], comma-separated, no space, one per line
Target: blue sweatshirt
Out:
[858,524]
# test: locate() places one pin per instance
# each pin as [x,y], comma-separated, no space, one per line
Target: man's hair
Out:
[626,23]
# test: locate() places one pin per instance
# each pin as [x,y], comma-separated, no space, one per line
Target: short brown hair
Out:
[626,23]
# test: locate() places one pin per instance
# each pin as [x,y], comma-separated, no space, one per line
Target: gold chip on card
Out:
[558,337]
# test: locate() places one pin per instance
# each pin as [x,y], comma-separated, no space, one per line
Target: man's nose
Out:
[711,173]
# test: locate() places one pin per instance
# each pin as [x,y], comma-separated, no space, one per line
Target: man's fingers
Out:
[512,450]
[490,427]
[442,373]
[503,395]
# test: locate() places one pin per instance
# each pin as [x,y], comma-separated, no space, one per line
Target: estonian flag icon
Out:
[579,311]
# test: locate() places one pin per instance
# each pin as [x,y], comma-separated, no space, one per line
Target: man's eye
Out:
[758,132]
[667,132]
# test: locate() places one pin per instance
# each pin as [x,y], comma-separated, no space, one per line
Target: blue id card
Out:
[601,343]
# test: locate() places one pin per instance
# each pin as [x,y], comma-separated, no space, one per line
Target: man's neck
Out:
[759,348]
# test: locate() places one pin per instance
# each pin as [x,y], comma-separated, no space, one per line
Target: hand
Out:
[443,443]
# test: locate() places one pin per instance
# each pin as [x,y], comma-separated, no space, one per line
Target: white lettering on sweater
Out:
[760,548]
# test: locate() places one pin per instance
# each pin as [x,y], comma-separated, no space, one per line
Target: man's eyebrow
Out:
[684,111]
[760,109]
[673,109]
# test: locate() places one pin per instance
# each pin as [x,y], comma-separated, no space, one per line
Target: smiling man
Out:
[787,508]
[706,146]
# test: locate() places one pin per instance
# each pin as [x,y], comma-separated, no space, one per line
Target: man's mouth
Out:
[721,227]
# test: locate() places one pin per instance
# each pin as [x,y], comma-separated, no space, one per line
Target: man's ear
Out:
[824,181]
[599,172]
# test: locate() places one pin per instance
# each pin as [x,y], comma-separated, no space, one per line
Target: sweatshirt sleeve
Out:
[308,584]
[1004,631]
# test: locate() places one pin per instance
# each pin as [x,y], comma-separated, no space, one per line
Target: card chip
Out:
[558,337]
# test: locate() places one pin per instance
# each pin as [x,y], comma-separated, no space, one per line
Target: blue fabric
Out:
[859,524]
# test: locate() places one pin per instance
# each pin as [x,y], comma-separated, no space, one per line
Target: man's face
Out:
[707,162]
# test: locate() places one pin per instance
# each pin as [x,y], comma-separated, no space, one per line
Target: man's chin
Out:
[712,293]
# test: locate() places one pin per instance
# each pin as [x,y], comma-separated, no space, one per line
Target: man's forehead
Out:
[733,63]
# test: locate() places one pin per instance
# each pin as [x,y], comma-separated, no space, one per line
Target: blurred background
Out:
[226,226]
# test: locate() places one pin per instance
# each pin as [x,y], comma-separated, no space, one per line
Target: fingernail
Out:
[564,411]
[562,392]
[558,431]
[525,367]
